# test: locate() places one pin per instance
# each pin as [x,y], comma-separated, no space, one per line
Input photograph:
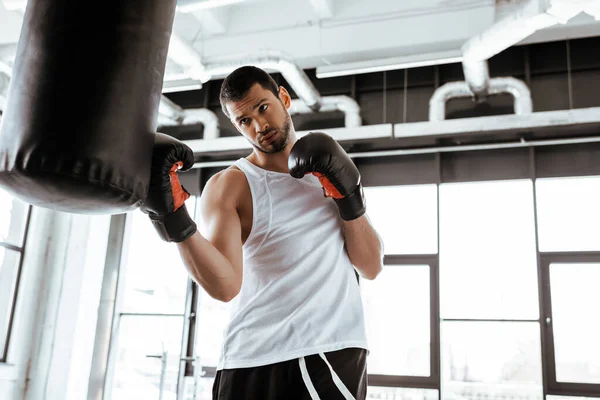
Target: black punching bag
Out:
[78,129]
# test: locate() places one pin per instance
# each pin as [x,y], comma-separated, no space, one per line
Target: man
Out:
[283,232]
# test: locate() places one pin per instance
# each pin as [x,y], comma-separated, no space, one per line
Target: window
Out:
[568,214]
[571,327]
[212,319]
[405,217]
[151,323]
[154,277]
[397,306]
[568,218]
[147,359]
[490,329]
[392,393]
[400,305]
[14,216]
[488,264]
[575,297]
[495,360]
[551,397]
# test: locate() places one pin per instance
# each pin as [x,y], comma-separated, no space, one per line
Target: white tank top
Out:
[299,293]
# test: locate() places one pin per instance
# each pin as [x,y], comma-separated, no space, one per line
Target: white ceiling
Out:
[316,33]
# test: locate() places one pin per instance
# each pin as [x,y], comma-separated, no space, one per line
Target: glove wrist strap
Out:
[352,206]
[174,227]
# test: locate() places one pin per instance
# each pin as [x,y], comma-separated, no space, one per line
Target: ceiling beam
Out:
[195,5]
[323,8]
[215,21]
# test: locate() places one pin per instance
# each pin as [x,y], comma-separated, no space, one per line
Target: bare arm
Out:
[364,247]
[214,257]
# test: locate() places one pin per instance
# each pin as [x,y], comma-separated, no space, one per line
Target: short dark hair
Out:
[238,83]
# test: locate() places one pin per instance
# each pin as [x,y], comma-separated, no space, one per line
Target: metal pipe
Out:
[173,115]
[529,17]
[184,54]
[278,61]
[346,104]
[450,90]
[205,116]
[477,76]
[4,82]
[440,149]
[517,88]
[168,111]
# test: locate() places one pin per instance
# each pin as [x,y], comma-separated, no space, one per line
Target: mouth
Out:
[269,137]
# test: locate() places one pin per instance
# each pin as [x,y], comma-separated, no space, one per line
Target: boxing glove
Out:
[319,154]
[165,202]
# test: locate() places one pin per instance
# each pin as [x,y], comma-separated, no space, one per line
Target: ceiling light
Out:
[387,64]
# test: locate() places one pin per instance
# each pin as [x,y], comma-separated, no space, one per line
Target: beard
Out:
[281,140]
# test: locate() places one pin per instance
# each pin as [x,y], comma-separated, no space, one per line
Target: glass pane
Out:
[147,358]
[198,388]
[13,219]
[212,320]
[488,264]
[397,316]
[9,268]
[568,213]
[575,301]
[405,217]
[155,276]
[491,360]
[385,393]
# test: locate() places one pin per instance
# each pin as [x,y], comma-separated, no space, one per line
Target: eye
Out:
[263,107]
[244,121]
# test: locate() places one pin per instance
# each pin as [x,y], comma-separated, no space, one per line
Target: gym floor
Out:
[476,132]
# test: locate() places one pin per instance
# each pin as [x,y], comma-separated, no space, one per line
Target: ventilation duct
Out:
[4,80]
[170,114]
[574,124]
[274,60]
[529,17]
[515,87]
[346,104]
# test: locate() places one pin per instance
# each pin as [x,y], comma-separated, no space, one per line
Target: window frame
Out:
[16,285]
[433,380]
[555,387]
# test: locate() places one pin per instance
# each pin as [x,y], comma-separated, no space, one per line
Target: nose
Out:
[261,125]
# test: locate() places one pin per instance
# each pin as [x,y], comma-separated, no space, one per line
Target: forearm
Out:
[364,247]
[209,268]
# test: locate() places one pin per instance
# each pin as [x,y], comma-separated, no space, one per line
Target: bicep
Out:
[220,225]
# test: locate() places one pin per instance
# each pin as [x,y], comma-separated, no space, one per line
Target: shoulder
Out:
[226,186]
[229,178]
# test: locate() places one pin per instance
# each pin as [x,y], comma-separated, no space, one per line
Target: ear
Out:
[285,97]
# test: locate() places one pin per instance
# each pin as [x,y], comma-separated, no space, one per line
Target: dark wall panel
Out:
[568,160]
[586,85]
[406,170]
[485,165]
[371,108]
[550,92]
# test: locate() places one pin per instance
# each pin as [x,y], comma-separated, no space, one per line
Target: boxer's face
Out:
[263,118]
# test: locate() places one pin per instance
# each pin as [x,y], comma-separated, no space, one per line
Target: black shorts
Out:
[335,375]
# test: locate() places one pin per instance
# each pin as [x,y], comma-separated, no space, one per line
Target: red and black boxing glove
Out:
[165,202]
[319,154]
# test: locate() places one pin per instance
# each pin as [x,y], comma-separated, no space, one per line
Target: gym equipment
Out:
[79,125]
